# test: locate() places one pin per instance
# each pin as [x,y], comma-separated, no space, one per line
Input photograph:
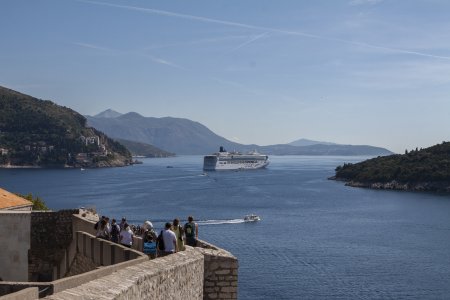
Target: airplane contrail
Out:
[266,29]
[251,40]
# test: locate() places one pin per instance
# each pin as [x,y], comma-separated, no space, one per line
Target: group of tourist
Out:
[170,240]
[117,233]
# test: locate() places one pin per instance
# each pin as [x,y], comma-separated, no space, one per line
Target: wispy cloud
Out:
[92,46]
[251,40]
[198,18]
[266,29]
[161,61]
[152,58]
[200,41]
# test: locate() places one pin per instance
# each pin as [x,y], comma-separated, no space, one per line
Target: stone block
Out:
[223,283]
[209,283]
[223,272]
[225,295]
[213,266]
[228,289]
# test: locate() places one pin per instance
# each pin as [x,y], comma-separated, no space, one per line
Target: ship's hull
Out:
[234,162]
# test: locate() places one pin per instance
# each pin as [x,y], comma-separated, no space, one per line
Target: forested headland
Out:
[419,170]
[40,133]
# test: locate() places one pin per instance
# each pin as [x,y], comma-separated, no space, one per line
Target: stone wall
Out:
[221,272]
[81,264]
[9,287]
[204,272]
[15,243]
[51,235]
[176,276]
[87,225]
[31,293]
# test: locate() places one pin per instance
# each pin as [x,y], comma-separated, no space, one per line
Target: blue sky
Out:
[265,72]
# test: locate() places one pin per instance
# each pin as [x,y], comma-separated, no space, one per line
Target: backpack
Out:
[181,230]
[189,229]
[160,241]
[96,225]
[114,230]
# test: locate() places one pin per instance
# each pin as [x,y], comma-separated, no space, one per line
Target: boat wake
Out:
[219,222]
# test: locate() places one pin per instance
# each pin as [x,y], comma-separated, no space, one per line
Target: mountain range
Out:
[183,136]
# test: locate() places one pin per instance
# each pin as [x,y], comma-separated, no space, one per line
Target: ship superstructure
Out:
[224,160]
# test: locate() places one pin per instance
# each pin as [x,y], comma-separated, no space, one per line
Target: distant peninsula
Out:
[417,170]
[143,149]
[38,133]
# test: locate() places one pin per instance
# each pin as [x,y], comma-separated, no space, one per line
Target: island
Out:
[416,170]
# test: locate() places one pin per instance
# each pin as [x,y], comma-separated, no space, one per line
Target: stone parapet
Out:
[176,276]
[31,293]
[221,272]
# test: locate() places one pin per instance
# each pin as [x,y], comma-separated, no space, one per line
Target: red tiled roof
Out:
[9,200]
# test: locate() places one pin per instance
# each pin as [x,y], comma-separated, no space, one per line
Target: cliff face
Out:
[418,170]
[38,133]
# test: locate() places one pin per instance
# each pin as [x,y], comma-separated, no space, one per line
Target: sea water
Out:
[317,238]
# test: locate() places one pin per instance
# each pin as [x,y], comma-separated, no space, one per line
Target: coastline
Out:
[19,167]
[398,186]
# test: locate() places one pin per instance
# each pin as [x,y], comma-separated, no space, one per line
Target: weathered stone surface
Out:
[228,289]
[51,235]
[221,272]
[176,276]
[223,283]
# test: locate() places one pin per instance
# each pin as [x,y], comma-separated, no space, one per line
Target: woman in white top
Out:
[126,236]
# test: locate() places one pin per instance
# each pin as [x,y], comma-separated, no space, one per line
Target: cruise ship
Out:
[224,160]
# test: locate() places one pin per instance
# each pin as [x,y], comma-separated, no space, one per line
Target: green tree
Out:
[38,203]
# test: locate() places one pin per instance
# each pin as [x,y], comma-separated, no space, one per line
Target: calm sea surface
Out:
[318,239]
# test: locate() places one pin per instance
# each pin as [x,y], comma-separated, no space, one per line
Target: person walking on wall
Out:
[122,223]
[148,232]
[191,232]
[170,240]
[179,231]
[102,230]
[126,236]
[115,231]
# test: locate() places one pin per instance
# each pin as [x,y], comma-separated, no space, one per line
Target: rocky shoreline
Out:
[399,186]
[101,164]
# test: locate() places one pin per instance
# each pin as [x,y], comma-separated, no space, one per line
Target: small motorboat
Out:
[251,218]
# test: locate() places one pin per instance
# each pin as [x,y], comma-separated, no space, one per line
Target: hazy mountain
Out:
[306,142]
[109,113]
[143,149]
[183,136]
[327,150]
[176,135]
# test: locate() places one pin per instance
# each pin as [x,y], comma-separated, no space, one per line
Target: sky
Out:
[361,72]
